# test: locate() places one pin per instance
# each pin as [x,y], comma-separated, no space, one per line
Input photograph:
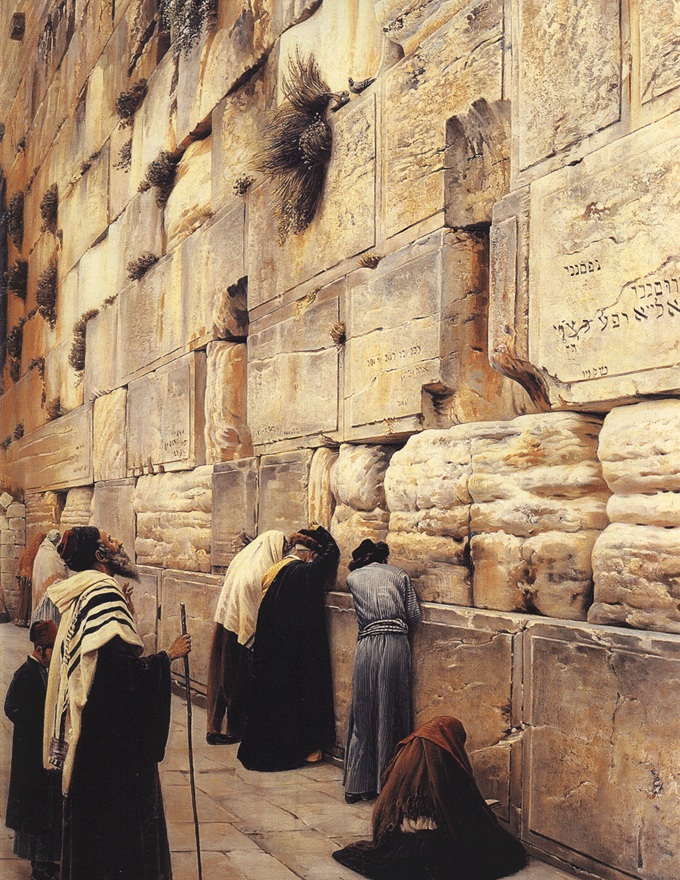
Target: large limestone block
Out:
[499,572]
[23,404]
[458,65]
[199,593]
[292,361]
[83,213]
[59,455]
[109,450]
[68,301]
[174,514]
[359,473]
[408,22]
[154,128]
[438,565]
[640,450]
[636,573]
[189,204]
[569,73]
[214,304]
[604,276]
[659,27]
[146,598]
[43,512]
[349,527]
[321,499]
[166,417]
[344,224]
[599,759]
[138,230]
[113,511]
[78,508]
[235,496]
[227,435]
[103,359]
[342,636]
[284,481]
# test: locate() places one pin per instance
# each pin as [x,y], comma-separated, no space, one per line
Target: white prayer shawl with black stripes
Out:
[94,611]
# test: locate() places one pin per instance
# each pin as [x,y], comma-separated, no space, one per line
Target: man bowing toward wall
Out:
[107,718]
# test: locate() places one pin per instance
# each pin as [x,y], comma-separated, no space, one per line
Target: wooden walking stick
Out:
[192,780]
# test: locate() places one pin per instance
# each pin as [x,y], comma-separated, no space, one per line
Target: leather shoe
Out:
[352,798]
[221,739]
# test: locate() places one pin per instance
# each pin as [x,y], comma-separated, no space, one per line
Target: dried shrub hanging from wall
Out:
[185,20]
[19,431]
[128,101]
[46,295]
[124,162]
[15,219]
[76,356]
[54,409]
[14,344]
[161,174]
[296,148]
[17,278]
[139,267]
[48,209]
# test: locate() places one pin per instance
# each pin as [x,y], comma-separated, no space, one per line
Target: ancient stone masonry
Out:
[466,347]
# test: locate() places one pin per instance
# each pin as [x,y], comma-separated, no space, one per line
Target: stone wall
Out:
[469,352]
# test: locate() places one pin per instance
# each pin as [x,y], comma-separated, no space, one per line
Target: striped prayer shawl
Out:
[94,611]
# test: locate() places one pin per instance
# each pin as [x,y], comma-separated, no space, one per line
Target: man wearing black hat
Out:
[34,802]
[107,719]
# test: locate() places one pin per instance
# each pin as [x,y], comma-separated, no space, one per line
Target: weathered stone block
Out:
[138,230]
[234,492]
[227,435]
[189,205]
[77,509]
[599,758]
[59,454]
[499,572]
[569,86]
[113,511]
[61,380]
[349,527]
[659,57]
[342,636]
[166,417]
[199,593]
[321,499]
[603,272]
[284,480]
[43,512]
[292,360]
[344,224]
[358,475]
[458,65]
[83,214]
[103,360]
[155,121]
[408,22]
[109,451]
[146,599]
[174,513]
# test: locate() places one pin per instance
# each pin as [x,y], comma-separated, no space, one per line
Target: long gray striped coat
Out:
[380,715]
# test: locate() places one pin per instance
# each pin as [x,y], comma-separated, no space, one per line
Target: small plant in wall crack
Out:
[54,409]
[46,295]
[48,209]
[128,101]
[124,162]
[15,219]
[185,19]
[161,174]
[17,278]
[14,345]
[136,269]
[77,354]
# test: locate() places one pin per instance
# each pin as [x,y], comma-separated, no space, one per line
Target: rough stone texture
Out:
[599,758]
[138,230]
[292,360]
[344,224]
[284,481]
[199,593]
[146,599]
[78,508]
[113,511]
[227,435]
[166,416]
[604,275]
[321,500]
[174,513]
[189,204]
[109,450]
[43,512]
[60,378]
[234,500]
[659,56]
[408,22]
[83,214]
[155,121]
[569,76]
[458,65]
[102,360]
[342,637]
[59,454]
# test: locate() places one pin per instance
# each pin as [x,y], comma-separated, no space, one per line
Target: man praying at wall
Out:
[107,719]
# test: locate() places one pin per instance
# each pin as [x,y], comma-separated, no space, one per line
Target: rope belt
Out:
[380,627]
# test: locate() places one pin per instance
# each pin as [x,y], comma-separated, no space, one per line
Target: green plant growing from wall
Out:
[78,351]
[46,295]
[161,174]
[49,208]
[17,278]
[15,219]
[297,143]
[136,269]
[127,102]
[185,20]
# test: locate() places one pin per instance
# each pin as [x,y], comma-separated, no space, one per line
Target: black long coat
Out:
[34,801]
[290,714]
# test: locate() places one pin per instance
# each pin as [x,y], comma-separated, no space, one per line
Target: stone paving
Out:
[278,826]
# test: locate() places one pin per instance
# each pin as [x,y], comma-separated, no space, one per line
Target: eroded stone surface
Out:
[59,454]
[43,512]
[407,22]
[146,598]
[227,435]
[113,511]
[284,480]
[659,57]
[78,508]
[569,87]
[321,500]
[82,211]
[174,513]
[189,205]
[235,496]
[109,450]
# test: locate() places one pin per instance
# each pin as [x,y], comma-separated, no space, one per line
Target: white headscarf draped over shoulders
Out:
[241,594]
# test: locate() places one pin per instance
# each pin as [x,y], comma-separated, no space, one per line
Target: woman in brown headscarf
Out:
[430,821]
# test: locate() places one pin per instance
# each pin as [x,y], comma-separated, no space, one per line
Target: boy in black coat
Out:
[34,805]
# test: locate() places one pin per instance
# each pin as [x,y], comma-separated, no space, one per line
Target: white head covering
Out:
[241,594]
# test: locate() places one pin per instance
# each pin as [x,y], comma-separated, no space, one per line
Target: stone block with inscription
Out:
[78,508]
[293,361]
[568,76]
[449,71]
[59,455]
[174,518]
[109,449]
[227,436]
[284,482]
[113,511]
[234,498]
[166,416]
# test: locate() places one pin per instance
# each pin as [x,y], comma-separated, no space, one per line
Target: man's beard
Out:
[119,562]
